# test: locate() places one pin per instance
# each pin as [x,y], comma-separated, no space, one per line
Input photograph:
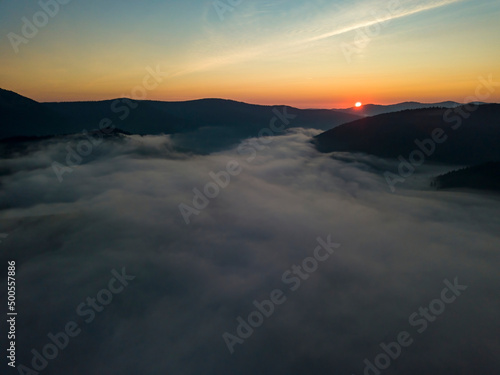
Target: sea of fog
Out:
[268,258]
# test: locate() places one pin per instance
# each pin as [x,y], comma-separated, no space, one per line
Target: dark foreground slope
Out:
[456,136]
[484,177]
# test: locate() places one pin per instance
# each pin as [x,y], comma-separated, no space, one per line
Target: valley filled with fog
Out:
[200,257]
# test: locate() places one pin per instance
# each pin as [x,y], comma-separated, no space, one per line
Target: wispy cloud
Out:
[411,9]
[279,39]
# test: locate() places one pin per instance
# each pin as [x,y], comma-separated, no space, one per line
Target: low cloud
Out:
[119,208]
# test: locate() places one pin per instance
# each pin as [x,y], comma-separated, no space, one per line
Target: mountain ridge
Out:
[377,109]
[238,119]
[470,139]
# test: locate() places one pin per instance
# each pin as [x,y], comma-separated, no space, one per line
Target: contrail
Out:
[419,9]
[266,48]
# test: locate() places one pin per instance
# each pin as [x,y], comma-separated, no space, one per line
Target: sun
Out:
[358,104]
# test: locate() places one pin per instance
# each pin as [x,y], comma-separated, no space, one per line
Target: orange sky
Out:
[308,56]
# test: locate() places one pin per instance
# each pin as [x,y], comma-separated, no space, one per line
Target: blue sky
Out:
[259,51]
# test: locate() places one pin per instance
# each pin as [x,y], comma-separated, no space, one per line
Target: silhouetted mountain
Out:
[485,177]
[21,116]
[376,109]
[471,137]
[205,123]
[135,117]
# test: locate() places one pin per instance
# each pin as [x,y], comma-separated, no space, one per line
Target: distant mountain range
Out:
[204,125]
[232,120]
[470,137]
[209,125]
[376,109]
[467,137]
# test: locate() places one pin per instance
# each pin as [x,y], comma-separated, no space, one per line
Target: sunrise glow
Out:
[259,52]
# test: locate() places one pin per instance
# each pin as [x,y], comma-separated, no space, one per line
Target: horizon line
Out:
[240,101]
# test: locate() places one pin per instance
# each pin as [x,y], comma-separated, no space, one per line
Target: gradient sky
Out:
[263,51]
